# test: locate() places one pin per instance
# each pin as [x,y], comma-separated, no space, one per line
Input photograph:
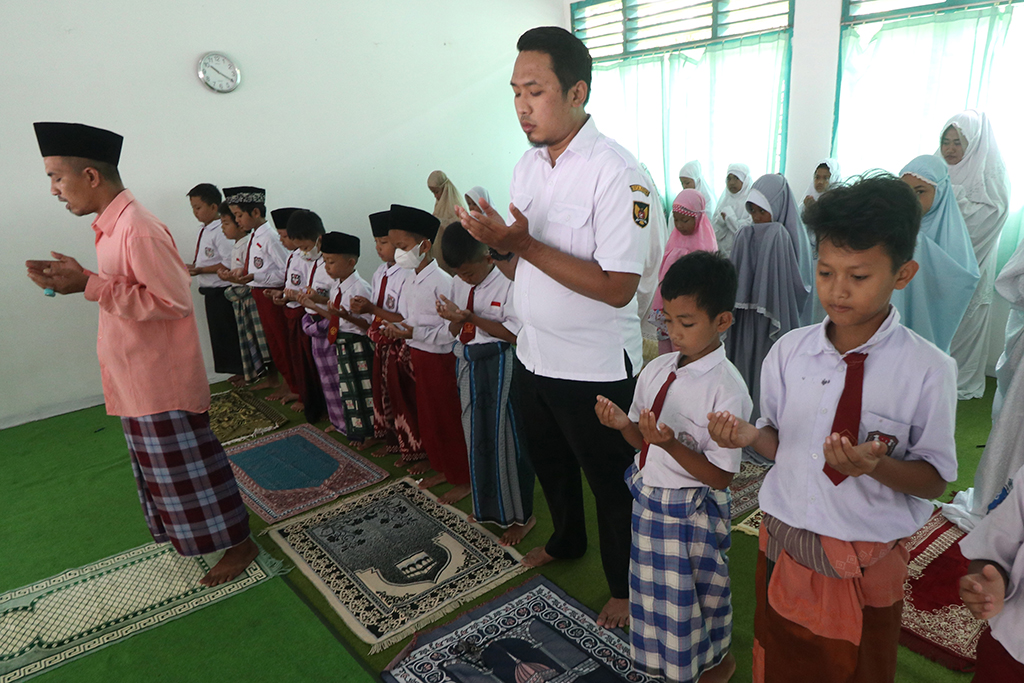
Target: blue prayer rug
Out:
[533,633]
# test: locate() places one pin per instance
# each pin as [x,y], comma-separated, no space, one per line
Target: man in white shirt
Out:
[576,247]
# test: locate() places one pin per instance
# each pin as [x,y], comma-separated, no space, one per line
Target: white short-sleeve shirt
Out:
[212,249]
[267,258]
[707,385]
[301,273]
[353,285]
[238,254]
[908,402]
[320,282]
[418,307]
[595,205]
[492,300]
[393,292]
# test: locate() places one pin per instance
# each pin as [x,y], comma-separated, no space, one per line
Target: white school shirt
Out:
[396,282]
[322,283]
[300,273]
[212,248]
[595,205]
[238,254]
[707,385]
[999,537]
[418,306]
[267,258]
[492,300]
[353,285]
[908,402]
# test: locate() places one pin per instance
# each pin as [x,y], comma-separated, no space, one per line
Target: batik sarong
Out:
[680,608]
[188,493]
[355,378]
[251,340]
[400,385]
[325,354]
[500,471]
[383,413]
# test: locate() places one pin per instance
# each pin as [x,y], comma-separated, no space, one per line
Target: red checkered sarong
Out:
[188,492]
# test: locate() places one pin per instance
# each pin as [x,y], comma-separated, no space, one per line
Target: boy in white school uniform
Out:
[680,619]
[858,414]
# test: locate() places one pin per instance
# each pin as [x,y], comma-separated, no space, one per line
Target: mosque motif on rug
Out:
[237,416]
[298,469]
[532,634]
[744,488]
[936,624]
[394,559]
[77,612]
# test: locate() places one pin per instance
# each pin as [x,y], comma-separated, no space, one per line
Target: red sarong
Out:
[440,415]
[275,329]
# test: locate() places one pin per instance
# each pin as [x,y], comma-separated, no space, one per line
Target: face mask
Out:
[311,255]
[410,260]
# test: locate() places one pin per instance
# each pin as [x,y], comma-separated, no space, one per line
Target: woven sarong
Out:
[383,412]
[500,471]
[355,377]
[439,410]
[679,596]
[188,492]
[325,354]
[251,340]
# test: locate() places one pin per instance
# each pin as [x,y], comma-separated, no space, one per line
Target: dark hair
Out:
[709,277]
[824,166]
[570,58]
[249,207]
[459,247]
[207,192]
[305,225]
[877,208]
[107,170]
[224,209]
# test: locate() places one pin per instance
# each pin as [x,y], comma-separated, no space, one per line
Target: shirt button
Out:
[824,410]
[815,456]
[813,499]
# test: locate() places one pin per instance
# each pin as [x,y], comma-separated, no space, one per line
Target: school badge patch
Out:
[257,261]
[687,440]
[389,303]
[641,213]
[295,279]
[322,292]
[210,253]
[889,440]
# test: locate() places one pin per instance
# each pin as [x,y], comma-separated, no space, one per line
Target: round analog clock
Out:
[219,73]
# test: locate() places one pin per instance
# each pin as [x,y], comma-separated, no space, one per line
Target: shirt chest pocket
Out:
[688,432]
[894,435]
[564,227]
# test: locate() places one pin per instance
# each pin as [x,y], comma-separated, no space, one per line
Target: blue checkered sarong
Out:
[679,599]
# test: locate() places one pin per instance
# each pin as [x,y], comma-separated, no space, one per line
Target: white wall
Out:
[344,107]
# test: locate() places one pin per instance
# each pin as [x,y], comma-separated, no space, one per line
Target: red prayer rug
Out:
[936,624]
[744,488]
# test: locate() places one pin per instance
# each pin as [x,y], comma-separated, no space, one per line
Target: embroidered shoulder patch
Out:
[257,261]
[889,440]
[295,279]
[640,188]
[641,213]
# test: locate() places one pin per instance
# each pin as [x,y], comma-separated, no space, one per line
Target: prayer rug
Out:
[238,415]
[744,488]
[283,474]
[75,613]
[936,624]
[534,633]
[752,524]
[394,559]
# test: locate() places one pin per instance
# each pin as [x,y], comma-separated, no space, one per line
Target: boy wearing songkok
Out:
[483,320]
[430,343]
[263,272]
[251,340]
[679,597]
[213,252]
[858,414]
[394,401]
[992,587]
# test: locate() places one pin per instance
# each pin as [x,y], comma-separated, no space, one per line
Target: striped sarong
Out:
[679,595]
[188,493]
[251,340]
[500,471]
[325,354]
[354,374]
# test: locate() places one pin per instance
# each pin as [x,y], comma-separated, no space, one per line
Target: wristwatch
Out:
[498,256]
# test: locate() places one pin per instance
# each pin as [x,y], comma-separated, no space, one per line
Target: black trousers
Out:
[564,436]
[220,317]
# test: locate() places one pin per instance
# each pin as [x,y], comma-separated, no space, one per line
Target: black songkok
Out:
[339,243]
[416,221]
[281,216]
[245,194]
[380,223]
[78,140]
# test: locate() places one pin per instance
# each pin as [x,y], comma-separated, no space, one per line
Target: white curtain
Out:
[718,104]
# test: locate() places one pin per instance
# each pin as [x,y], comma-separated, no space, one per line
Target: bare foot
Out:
[538,557]
[296,407]
[330,428]
[516,532]
[721,673]
[431,482]
[233,563]
[269,382]
[456,494]
[421,467]
[277,395]
[288,397]
[367,443]
[471,518]
[615,613]
[237,381]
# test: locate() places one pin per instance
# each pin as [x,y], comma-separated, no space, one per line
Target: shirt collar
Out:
[491,276]
[701,365]
[422,275]
[582,144]
[105,222]
[392,269]
[888,326]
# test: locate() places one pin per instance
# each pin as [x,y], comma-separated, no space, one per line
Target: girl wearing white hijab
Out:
[982,189]
[691,177]
[826,174]
[474,196]
[731,210]
[446,198]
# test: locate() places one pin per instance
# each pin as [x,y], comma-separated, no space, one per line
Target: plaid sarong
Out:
[188,492]
[326,356]
[251,339]
[679,596]
[355,376]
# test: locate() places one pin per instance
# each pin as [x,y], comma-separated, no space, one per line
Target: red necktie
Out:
[468,329]
[847,420]
[332,332]
[659,401]
[383,289]
[198,242]
[248,249]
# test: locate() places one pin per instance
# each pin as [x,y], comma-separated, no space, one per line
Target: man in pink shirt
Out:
[148,347]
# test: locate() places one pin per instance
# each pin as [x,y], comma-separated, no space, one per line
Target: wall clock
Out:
[218,72]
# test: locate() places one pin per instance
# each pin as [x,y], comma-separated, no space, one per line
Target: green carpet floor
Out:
[67,498]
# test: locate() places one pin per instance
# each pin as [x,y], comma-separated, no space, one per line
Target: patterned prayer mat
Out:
[752,524]
[935,622]
[532,634]
[82,610]
[394,559]
[238,415]
[745,487]
[283,474]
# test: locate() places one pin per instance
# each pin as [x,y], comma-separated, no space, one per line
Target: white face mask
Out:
[410,260]
[311,255]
